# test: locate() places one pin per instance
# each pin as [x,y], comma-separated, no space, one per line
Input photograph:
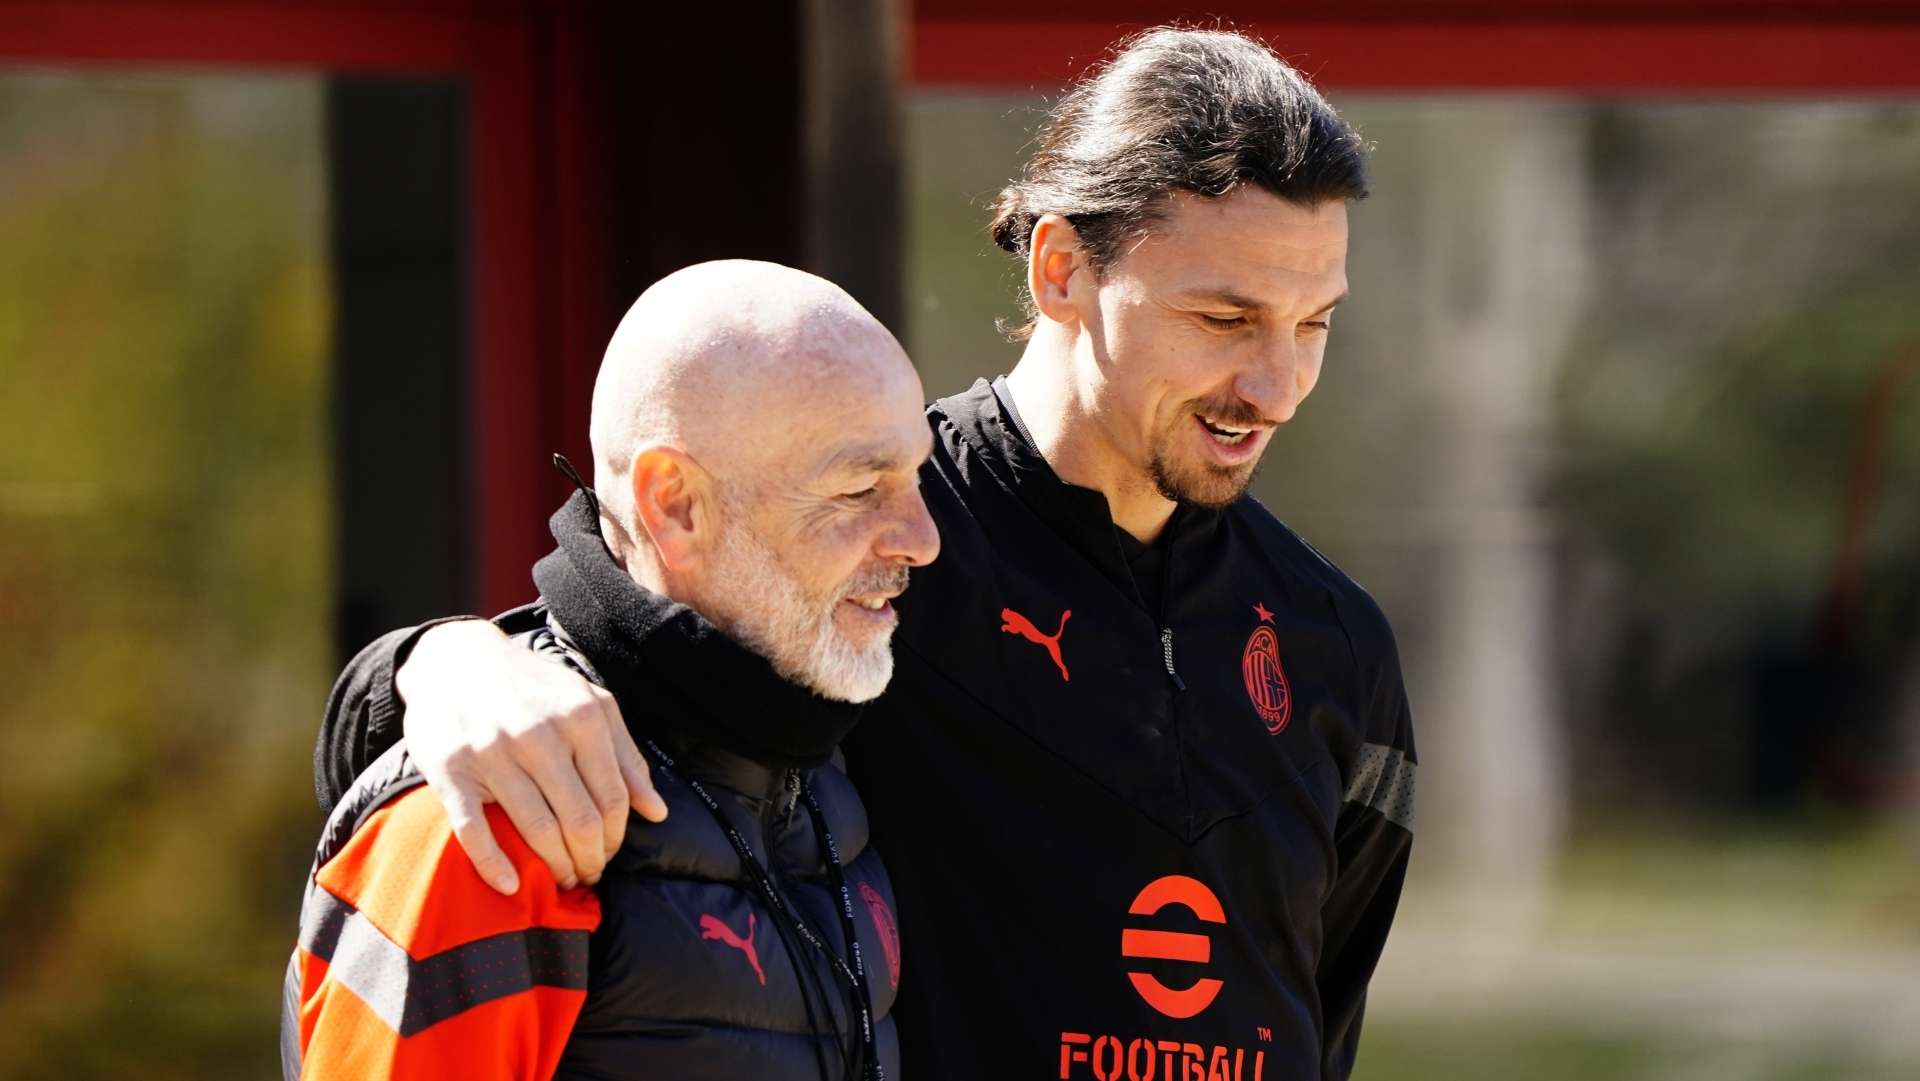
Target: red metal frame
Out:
[538,173]
[1587,47]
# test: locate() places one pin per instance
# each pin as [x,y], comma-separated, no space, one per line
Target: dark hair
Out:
[1198,111]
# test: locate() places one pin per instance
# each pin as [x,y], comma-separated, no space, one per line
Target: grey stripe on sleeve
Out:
[1383,780]
[411,995]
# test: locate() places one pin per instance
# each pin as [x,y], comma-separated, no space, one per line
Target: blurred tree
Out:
[1762,304]
[164,564]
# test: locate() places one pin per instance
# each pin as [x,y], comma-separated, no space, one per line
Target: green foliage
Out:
[1740,464]
[165,564]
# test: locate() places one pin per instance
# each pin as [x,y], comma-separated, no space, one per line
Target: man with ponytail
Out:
[1164,838]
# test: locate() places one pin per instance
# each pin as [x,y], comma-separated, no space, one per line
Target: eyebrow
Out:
[1332,304]
[863,460]
[1229,298]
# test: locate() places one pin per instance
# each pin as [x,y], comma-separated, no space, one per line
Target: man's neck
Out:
[1067,433]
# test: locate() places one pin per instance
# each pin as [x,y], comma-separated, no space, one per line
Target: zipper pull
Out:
[793,796]
[1166,653]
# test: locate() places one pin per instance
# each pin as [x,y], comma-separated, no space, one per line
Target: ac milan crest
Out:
[1266,681]
[888,930]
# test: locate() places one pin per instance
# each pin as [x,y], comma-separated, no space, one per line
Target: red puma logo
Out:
[1022,626]
[711,927]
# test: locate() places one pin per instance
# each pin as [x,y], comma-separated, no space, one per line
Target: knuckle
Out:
[584,824]
[540,826]
[536,745]
[582,716]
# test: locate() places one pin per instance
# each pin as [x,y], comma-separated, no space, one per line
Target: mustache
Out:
[886,578]
[1234,411]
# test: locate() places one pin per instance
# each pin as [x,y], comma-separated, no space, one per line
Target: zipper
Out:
[1166,654]
[793,797]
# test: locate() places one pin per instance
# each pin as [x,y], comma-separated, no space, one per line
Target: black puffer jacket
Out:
[670,989]
[694,966]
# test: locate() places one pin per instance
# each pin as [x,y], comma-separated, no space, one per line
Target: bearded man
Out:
[731,585]
[1145,774]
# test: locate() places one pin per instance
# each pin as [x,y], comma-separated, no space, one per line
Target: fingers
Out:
[594,757]
[637,776]
[550,763]
[521,800]
[467,812]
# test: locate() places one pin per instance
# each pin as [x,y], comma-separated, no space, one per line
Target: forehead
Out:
[1249,241]
[860,419]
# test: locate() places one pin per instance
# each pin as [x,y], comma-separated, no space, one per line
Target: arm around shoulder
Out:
[364,711]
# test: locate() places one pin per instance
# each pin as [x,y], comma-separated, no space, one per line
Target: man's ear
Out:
[672,504]
[1053,257]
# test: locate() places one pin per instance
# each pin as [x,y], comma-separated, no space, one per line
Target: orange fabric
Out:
[407,875]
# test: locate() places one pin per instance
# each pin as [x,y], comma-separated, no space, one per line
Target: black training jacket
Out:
[1162,837]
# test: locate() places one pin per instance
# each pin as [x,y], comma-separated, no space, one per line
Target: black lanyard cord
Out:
[855,972]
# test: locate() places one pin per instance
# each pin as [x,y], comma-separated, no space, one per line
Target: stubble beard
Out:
[1203,485]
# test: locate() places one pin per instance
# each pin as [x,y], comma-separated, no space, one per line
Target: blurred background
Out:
[1621,426]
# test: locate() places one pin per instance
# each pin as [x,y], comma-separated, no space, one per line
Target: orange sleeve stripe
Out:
[411,966]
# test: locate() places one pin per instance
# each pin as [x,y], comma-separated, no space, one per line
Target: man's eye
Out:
[863,494]
[1223,322]
[1319,325]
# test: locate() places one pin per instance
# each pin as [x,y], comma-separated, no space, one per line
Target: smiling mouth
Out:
[1225,434]
[872,602]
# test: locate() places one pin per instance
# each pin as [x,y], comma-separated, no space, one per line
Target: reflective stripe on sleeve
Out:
[1383,780]
[413,994]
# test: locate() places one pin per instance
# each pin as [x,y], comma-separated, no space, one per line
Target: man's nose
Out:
[1272,383]
[912,538]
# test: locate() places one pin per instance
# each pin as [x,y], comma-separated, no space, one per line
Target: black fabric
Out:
[364,711]
[648,648]
[1145,562]
[1027,805]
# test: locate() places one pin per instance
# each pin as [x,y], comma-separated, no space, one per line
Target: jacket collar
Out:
[668,666]
[986,420]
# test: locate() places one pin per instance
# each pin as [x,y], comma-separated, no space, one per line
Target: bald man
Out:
[733,581]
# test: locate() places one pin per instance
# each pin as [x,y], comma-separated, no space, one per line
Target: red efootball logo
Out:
[1192,895]
[1266,680]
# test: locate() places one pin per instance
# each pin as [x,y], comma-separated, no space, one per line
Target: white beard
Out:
[769,613]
